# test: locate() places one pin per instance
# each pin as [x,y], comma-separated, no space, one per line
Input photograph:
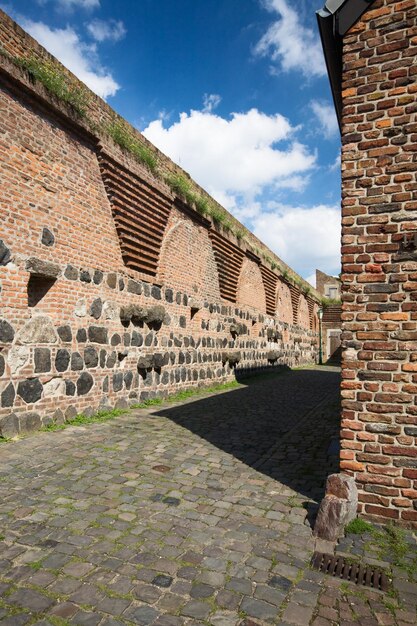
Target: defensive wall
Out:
[379,259]
[120,278]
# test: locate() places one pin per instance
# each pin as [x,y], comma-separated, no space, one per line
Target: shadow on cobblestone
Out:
[286,426]
[178,516]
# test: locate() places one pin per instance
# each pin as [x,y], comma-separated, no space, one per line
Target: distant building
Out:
[329,287]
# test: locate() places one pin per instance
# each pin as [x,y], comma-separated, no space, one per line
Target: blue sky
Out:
[235,91]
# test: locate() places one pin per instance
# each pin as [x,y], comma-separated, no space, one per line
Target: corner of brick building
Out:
[379,260]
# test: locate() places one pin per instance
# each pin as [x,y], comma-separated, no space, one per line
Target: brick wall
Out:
[379,316]
[112,289]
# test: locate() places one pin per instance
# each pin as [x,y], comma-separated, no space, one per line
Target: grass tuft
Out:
[181,187]
[83,420]
[186,394]
[358,526]
[126,140]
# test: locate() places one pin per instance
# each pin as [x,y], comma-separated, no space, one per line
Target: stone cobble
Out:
[180,515]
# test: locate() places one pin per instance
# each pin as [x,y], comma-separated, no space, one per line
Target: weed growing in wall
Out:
[182,187]
[126,140]
[56,83]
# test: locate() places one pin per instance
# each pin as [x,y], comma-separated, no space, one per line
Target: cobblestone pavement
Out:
[188,514]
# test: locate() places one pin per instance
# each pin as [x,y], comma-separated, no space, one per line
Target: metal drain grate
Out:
[358,573]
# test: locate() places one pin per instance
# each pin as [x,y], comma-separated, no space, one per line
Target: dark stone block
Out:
[138,314]
[112,280]
[77,362]
[103,355]
[169,295]
[65,333]
[8,395]
[155,315]
[84,383]
[81,335]
[149,339]
[71,272]
[5,255]
[161,580]
[156,292]
[137,339]
[232,357]
[6,332]
[165,378]
[29,422]
[96,308]
[133,286]
[69,388]
[126,339]
[2,365]
[111,360]
[106,384]
[145,362]
[62,360]
[97,334]
[48,237]
[85,276]
[98,277]
[122,355]
[183,321]
[158,360]
[115,340]
[90,357]
[128,378]
[9,426]
[146,289]
[30,390]
[42,358]
[118,381]
[185,299]
[46,269]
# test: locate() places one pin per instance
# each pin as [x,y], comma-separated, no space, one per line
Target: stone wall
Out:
[112,288]
[379,250]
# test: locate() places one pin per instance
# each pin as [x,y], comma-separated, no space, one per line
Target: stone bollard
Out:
[338,507]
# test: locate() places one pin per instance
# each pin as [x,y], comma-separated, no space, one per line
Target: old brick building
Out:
[120,278]
[371,51]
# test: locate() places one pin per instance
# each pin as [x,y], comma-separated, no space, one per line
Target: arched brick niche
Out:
[303,313]
[315,320]
[284,310]
[250,288]
[187,259]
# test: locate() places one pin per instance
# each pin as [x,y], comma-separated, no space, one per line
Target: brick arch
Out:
[284,310]
[187,260]
[250,288]
[303,313]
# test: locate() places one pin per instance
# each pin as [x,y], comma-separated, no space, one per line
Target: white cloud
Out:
[306,238]
[326,117]
[112,30]
[70,5]
[79,57]
[236,157]
[312,279]
[211,102]
[291,44]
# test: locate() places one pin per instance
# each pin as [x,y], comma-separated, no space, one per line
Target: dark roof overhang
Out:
[334,20]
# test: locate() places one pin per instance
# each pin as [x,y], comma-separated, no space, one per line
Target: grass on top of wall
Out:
[56,82]
[126,140]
